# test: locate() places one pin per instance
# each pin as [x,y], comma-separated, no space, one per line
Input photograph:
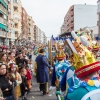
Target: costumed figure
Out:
[86,69]
[61,68]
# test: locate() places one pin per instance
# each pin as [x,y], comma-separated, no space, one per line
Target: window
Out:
[72,15]
[29,38]
[15,8]
[16,25]
[72,9]
[16,1]
[5,17]
[9,21]
[9,31]
[16,33]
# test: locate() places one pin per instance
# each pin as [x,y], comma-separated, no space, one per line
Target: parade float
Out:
[82,50]
[84,57]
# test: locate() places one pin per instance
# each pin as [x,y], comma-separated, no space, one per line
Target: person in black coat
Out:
[20,59]
[6,83]
[42,74]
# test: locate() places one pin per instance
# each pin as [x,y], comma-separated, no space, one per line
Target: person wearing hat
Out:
[60,67]
[86,69]
[42,71]
[20,59]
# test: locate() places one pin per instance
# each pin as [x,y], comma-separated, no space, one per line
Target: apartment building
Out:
[39,35]
[17,12]
[62,29]
[30,29]
[80,16]
[36,33]
[24,24]
[44,40]
[3,21]
[11,31]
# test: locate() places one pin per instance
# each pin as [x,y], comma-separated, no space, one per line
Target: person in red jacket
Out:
[28,77]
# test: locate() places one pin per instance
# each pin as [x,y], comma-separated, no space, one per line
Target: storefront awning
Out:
[3,27]
[3,2]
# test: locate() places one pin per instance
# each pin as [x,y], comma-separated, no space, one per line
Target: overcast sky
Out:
[49,14]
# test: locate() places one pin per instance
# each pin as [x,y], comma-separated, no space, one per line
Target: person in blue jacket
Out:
[42,75]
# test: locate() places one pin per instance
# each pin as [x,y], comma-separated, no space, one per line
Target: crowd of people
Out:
[15,72]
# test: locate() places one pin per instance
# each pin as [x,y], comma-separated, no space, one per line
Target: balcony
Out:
[98,23]
[16,21]
[16,4]
[3,10]
[17,13]
[29,34]
[2,33]
[6,1]
[3,21]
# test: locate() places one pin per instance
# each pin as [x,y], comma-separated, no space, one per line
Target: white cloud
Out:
[49,14]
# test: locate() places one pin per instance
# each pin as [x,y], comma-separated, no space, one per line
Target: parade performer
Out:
[86,69]
[63,73]
[60,67]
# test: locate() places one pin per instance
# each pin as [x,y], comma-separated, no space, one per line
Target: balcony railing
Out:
[2,33]
[3,9]
[6,1]
[3,21]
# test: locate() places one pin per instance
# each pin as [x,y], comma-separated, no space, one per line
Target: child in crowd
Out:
[24,86]
[17,77]
[28,77]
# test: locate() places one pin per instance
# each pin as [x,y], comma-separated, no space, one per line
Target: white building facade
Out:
[85,16]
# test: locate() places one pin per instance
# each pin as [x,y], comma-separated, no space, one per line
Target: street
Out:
[35,94]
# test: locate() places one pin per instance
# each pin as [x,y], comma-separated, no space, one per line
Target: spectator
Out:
[28,77]
[17,78]
[24,85]
[6,83]
[20,59]
[11,57]
[3,58]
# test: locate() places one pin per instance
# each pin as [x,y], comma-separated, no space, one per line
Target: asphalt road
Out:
[35,94]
